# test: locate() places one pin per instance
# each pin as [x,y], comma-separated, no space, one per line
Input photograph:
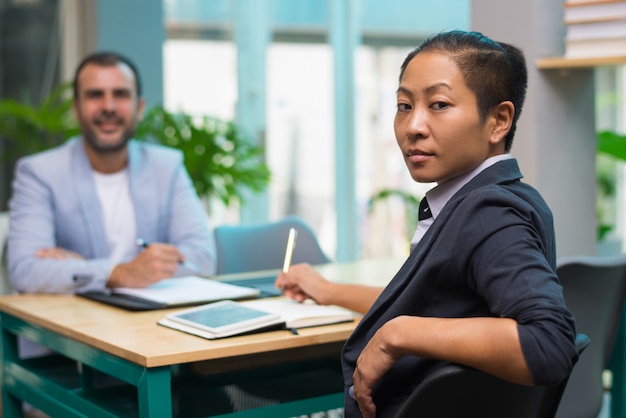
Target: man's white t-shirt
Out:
[119,214]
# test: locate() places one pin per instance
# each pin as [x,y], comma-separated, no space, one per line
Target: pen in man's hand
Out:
[291,243]
[144,244]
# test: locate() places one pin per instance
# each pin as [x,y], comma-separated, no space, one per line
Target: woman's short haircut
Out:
[494,71]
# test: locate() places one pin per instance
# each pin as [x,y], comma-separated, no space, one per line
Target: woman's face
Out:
[437,123]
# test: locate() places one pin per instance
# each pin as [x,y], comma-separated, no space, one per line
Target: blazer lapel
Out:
[503,171]
[89,201]
[144,193]
[408,271]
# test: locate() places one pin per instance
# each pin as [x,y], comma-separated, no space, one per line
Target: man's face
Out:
[437,124]
[107,107]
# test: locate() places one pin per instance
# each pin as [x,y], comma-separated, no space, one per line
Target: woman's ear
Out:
[502,121]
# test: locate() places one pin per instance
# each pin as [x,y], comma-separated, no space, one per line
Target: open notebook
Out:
[228,318]
[179,291]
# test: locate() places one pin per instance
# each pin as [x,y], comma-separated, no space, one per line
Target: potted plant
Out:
[220,160]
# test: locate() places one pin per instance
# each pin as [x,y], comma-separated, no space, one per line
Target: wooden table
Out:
[131,347]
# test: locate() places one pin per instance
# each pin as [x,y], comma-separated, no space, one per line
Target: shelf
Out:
[564,62]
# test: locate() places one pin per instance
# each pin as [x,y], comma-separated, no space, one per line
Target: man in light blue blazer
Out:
[103,210]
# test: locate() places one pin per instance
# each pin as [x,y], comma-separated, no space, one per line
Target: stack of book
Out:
[595,28]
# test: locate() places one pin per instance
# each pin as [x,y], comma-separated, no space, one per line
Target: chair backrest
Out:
[261,246]
[454,390]
[594,289]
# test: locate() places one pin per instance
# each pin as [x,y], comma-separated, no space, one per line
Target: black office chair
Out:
[594,289]
[261,246]
[459,391]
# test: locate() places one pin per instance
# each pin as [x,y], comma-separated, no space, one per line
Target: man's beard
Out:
[94,142]
[101,147]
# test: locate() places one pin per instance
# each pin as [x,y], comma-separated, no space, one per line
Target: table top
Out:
[135,336]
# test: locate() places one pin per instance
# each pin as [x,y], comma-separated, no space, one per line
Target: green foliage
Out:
[611,150]
[612,144]
[606,189]
[219,159]
[26,129]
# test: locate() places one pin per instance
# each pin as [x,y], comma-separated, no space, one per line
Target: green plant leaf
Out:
[612,144]
[611,149]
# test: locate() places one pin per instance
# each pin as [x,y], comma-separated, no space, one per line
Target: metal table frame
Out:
[32,381]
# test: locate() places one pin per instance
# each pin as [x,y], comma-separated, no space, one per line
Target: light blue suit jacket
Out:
[55,204]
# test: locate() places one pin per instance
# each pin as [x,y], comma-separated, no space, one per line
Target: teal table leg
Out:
[617,366]
[23,380]
[86,378]
[11,405]
[155,396]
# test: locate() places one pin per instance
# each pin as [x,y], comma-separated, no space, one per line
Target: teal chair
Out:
[253,247]
[261,246]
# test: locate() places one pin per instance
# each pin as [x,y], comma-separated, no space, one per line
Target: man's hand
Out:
[158,261]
